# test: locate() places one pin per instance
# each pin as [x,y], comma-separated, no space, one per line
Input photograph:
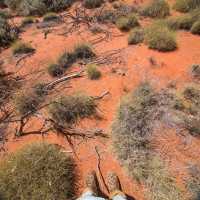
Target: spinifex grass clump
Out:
[157,9]
[38,171]
[186,5]
[90,4]
[136,36]
[51,16]
[195,70]
[68,109]
[28,20]
[22,48]
[195,29]
[83,51]
[93,72]
[66,59]
[55,70]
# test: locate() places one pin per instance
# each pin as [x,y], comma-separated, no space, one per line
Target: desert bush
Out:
[28,20]
[192,93]
[107,16]
[136,36]
[5,14]
[51,16]
[90,4]
[127,23]
[195,29]
[195,70]
[156,9]
[40,90]
[55,70]
[38,171]
[68,109]
[83,51]
[7,33]
[92,72]
[186,5]
[160,38]
[22,48]
[37,7]
[66,59]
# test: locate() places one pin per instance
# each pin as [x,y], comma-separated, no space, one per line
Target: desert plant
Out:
[83,51]
[22,48]
[107,16]
[186,5]
[55,70]
[195,29]
[127,23]
[5,14]
[51,16]
[136,36]
[38,164]
[195,70]
[160,38]
[28,20]
[68,109]
[92,72]
[66,59]
[40,90]
[156,9]
[90,4]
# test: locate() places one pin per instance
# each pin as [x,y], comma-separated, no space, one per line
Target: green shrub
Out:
[127,23]
[107,16]
[92,72]
[37,7]
[55,70]
[186,5]
[83,51]
[69,109]
[40,90]
[28,20]
[51,16]
[195,29]
[5,14]
[66,59]
[160,38]
[157,9]
[22,48]
[90,4]
[38,171]
[195,70]
[136,36]
[7,33]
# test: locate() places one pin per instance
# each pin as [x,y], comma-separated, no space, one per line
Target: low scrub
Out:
[195,29]
[28,20]
[68,109]
[136,36]
[22,48]
[195,70]
[66,59]
[38,171]
[159,37]
[51,16]
[186,5]
[83,51]
[4,13]
[90,4]
[55,70]
[156,9]
[93,72]
[37,7]
[127,23]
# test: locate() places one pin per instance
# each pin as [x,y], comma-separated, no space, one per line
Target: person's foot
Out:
[91,182]
[113,182]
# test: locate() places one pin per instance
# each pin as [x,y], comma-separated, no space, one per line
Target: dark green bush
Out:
[28,20]
[136,36]
[127,23]
[55,70]
[38,171]
[107,16]
[83,51]
[156,9]
[51,16]
[37,7]
[186,5]
[22,48]
[92,72]
[66,59]
[160,38]
[90,4]
[195,29]
[69,109]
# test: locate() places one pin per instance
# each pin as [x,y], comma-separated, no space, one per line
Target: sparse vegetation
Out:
[22,48]
[136,36]
[66,59]
[159,37]
[28,20]
[90,4]
[195,70]
[195,29]
[39,164]
[186,5]
[51,16]
[68,109]
[92,72]
[39,89]
[55,70]
[127,23]
[83,51]
[156,9]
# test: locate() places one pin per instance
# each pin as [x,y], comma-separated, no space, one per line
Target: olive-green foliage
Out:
[159,37]
[90,4]
[195,29]
[28,20]
[156,9]
[37,7]
[66,59]
[136,36]
[5,14]
[38,171]
[83,51]
[55,70]
[186,5]
[22,48]
[195,70]
[127,23]
[92,72]
[7,33]
[51,16]
[40,90]
[68,109]
[132,134]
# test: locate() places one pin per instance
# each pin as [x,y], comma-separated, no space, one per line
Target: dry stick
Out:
[99,168]
[23,57]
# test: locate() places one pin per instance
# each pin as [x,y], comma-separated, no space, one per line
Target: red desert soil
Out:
[134,64]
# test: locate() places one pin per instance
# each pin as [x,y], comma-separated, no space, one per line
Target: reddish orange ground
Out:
[135,63]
